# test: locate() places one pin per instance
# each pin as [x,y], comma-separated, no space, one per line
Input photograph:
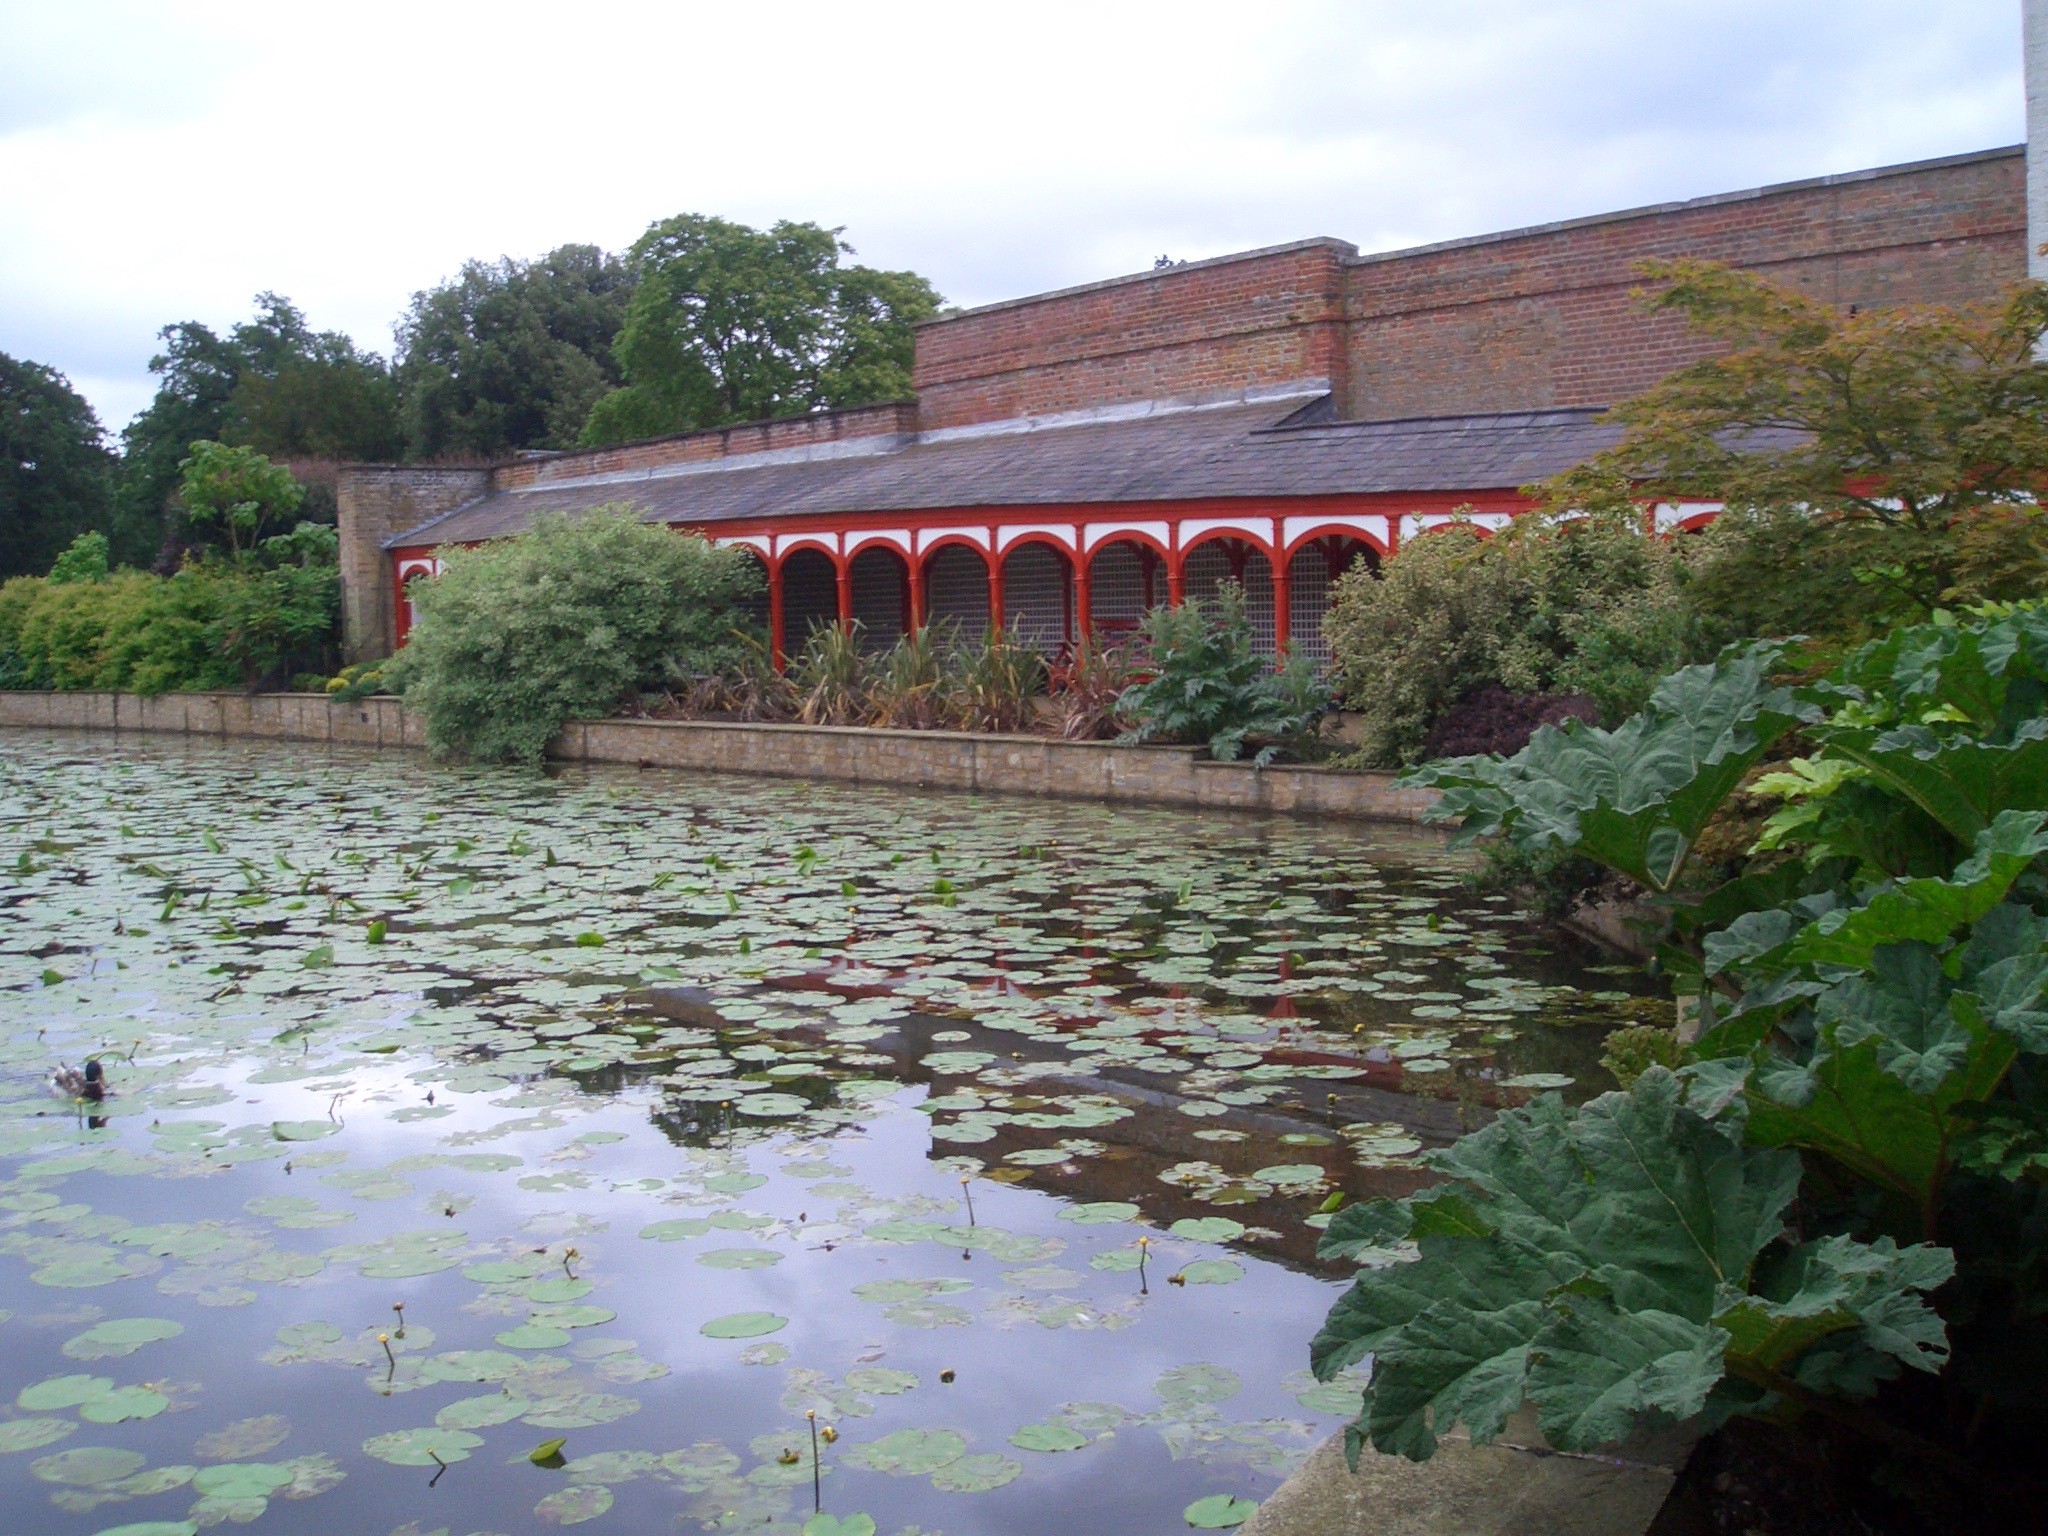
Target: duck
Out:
[71,1083]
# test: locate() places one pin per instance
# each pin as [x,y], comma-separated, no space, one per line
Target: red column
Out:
[1283,594]
[776,651]
[1084,611]
[1176,580]
[996,616]
[845,569]
[916,596]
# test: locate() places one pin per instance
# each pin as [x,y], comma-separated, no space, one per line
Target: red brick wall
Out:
[1211,327]
[711,443]
[1545,318]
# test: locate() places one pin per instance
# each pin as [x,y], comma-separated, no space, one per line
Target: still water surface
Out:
[453,1112]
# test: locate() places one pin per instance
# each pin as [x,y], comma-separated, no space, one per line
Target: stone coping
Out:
[987,764]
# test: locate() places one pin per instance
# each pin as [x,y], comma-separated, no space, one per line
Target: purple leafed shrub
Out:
[1491,719]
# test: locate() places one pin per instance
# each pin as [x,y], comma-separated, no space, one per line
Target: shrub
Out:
[1585,605]
[517,637]
[1208,685]
[84,560]
[1491,719]
[1835,1195]
[998,684]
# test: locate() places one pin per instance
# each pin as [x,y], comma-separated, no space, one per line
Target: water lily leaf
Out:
[580,1410]
[1218,1512]
[419,1447]
[910,1452]
[1048,1437]
[154,1528]
[740,1258]
[1186,1386]
[772,1105]
[559,1289]
[822,1524]
[1208,1229]
[743,1325]
[573,1506]
[880,1381]
[482,1412]
[673,1231]
[976,1474]
[548,1453]
[531,1336]
[63,1392]
[244,1438]
[303,1130]
[1212,1272]
[1102,1212]
[88,1466]
[122,1404]
[32,1434]
[472,1365]
[245,1480]
[910,1290]
[120,1336]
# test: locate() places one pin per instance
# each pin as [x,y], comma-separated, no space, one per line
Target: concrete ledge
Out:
[1010,765]
[1466,1490]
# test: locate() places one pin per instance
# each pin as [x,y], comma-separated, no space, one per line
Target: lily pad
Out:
[1212,1272]
[910,1452]
[1048,1437]
[976,1474]
[482,1412]
[1207,1229]
[32,1434]
[740,1258]
[88,1466]
[772,1105]
[673,1231]
[532,1336]
[573,1506]
[823,1524]
[154,1528]
[419,1447]
[1100,1212]
[743,1325]
[303,1130]
[244,1438]
[1218,1512]
[120,1336]
[63,1392]
[122,1404]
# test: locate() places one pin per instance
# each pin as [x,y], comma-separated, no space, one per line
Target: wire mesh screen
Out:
[810,596]
[1035,597]
[956,591]
[1308,602]
[1116,588]
[878,581]
[1210,565]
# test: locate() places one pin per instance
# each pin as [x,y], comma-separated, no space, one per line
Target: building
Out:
[1277,416]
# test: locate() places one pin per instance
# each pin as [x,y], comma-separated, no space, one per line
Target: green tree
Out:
[54,466]
[729,323]
[238,491]
[511,354]
[1882,463]
[272,384]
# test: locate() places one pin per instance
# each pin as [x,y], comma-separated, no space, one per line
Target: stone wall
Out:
[1010,765]
[373,502]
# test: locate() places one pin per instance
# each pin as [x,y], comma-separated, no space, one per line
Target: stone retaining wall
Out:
[1020,765]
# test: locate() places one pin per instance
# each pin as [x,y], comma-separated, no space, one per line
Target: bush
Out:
[518,637]
[1491,719]
[1209,686]
[1830,1205]
[1587,605]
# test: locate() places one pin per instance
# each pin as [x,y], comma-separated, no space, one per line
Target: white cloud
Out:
[165,162]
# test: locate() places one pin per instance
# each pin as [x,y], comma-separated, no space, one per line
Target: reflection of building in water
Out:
[1276,417]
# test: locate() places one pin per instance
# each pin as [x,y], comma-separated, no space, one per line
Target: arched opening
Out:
[881,596]
[810,596]
[1038,597]
[1125,578]
[757,606]
[1208,565]
[956,592]
[1312,572]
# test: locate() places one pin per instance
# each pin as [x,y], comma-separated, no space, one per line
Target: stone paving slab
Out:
[1501,1489]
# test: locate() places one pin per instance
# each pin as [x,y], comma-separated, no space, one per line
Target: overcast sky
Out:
[163,160]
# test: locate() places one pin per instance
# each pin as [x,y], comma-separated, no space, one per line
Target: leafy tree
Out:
[54,466]
[1882,462]
[519,636]
[84,559]
[511,354]
[238,491]
[272,384]
[729,323]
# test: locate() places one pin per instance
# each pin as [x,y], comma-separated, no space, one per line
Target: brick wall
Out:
[814,430]
[1204,328]
[1544,317]
[373,502]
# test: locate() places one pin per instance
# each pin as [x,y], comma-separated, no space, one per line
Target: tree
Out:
[237,490]
[54,466]
[1884,461]
[729,323]
[272,384]
[511,354]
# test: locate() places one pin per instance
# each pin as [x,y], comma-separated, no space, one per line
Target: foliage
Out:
[1090,688]
[355,683]
[237,490]
[999,683]
[54,466]
[1629,1053]
[84,559]
[510,354]
[830,675]
[1875,1034]
[728,323]
[272,384]
[1208,685]
[1491,719]
[1545,606]
[518,637]
[1915,434]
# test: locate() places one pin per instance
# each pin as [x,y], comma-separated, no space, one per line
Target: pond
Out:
[671,1118]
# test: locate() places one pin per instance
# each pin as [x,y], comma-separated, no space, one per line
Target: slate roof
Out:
[1272,449]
